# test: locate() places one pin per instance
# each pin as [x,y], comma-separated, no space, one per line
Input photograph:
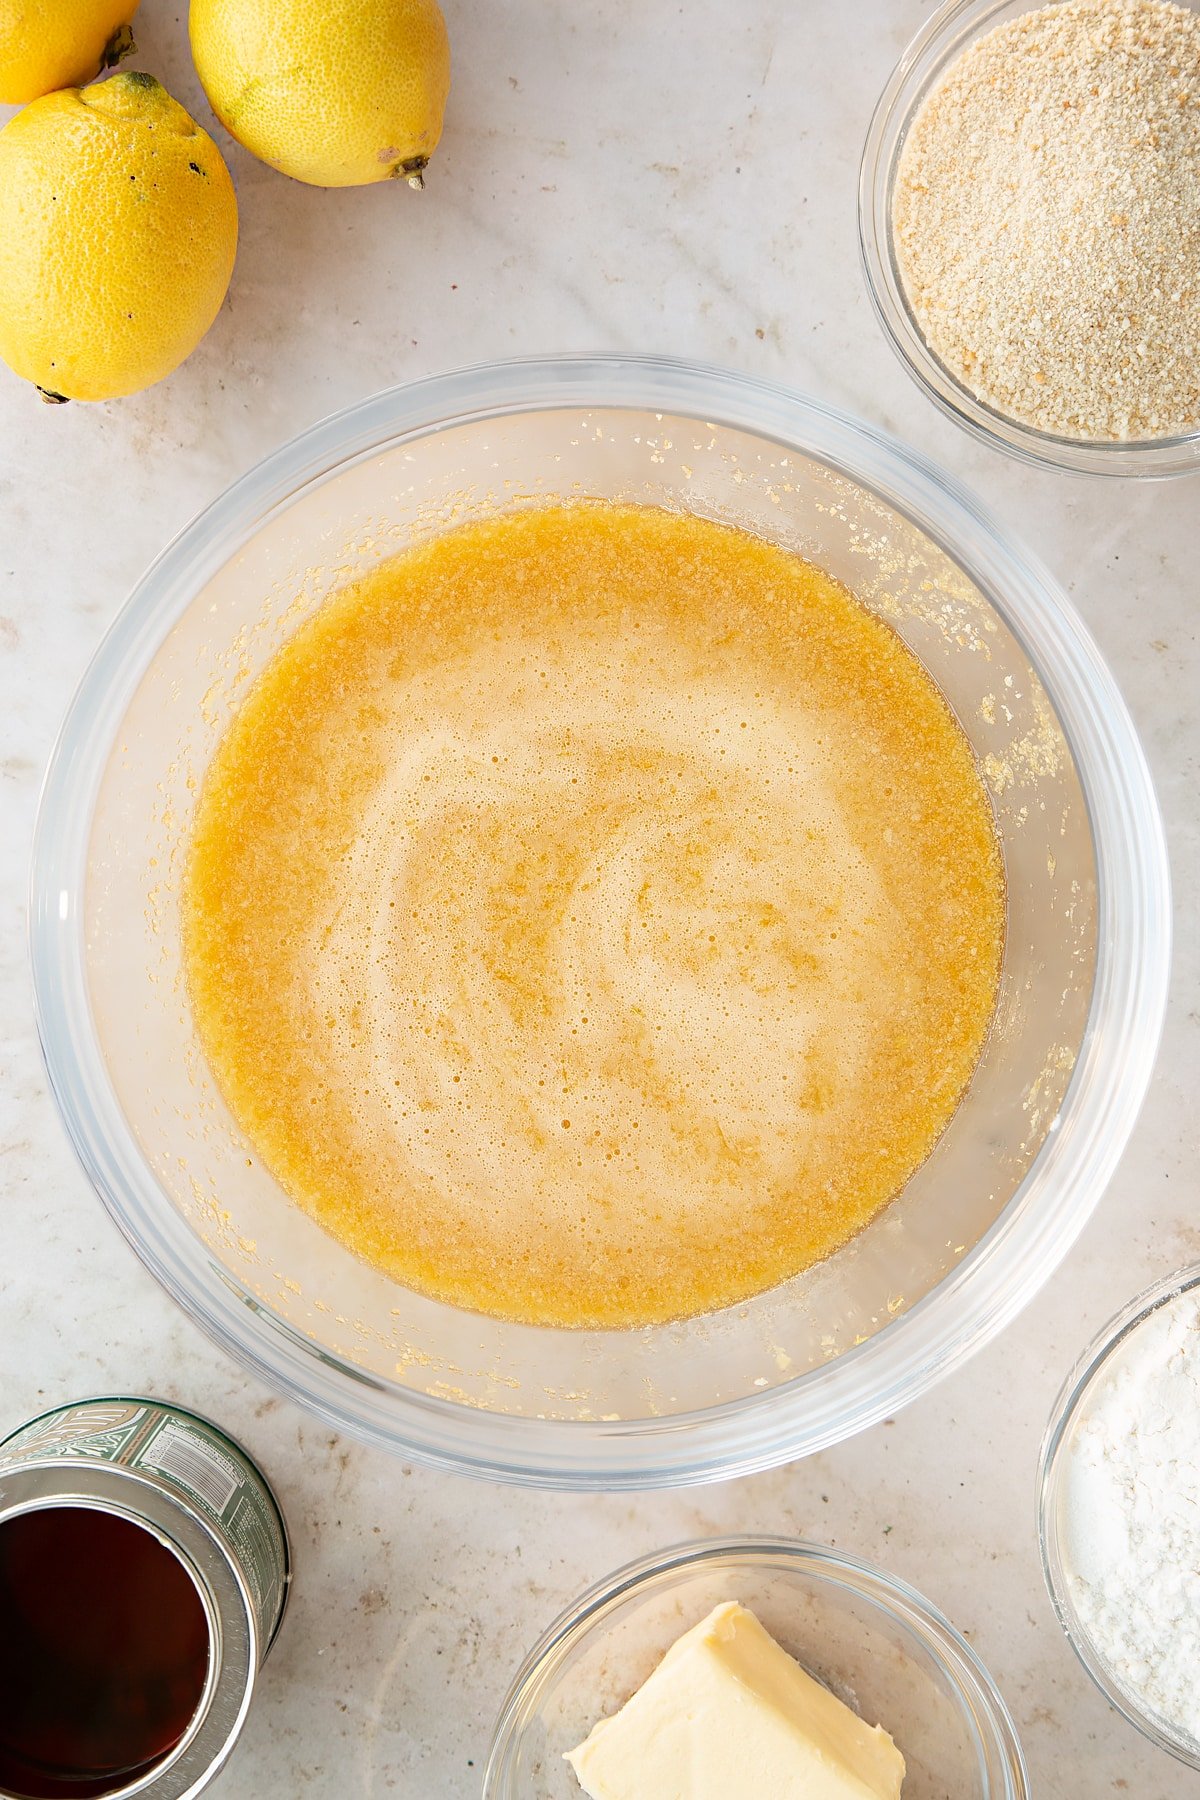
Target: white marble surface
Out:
[581,200]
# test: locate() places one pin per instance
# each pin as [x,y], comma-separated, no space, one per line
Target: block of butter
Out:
[728,1713]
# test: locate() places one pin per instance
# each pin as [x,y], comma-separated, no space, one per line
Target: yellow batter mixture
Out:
[594,916]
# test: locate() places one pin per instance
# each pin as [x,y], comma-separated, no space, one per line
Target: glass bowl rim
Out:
[938,41]
[751,1432]
[967,1674]
[1064,1415]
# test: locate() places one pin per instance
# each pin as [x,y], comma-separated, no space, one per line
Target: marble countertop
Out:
[578,202]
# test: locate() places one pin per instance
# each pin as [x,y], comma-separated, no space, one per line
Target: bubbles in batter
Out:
[594,916]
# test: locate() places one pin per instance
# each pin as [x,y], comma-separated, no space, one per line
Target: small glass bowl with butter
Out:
[870,1639]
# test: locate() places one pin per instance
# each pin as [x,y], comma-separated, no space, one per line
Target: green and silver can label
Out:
[201,1498]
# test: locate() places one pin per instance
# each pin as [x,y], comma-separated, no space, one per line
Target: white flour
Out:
[1132,1515]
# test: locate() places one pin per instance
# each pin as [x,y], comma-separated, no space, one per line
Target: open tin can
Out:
[144,1571]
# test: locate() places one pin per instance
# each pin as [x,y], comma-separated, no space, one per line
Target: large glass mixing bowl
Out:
[978,1227]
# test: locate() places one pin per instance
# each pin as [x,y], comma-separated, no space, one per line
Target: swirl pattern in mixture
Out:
[593,917]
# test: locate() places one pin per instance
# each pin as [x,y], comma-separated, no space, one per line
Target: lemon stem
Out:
[53,399]
[413,170]
[120,44]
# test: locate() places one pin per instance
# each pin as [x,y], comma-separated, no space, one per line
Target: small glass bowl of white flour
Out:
[1119,1513]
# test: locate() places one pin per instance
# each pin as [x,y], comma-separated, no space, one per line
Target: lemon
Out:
[48,44]
[118,229]
[334,92]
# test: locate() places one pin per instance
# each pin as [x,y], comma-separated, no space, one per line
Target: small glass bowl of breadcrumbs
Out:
[1029,217]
